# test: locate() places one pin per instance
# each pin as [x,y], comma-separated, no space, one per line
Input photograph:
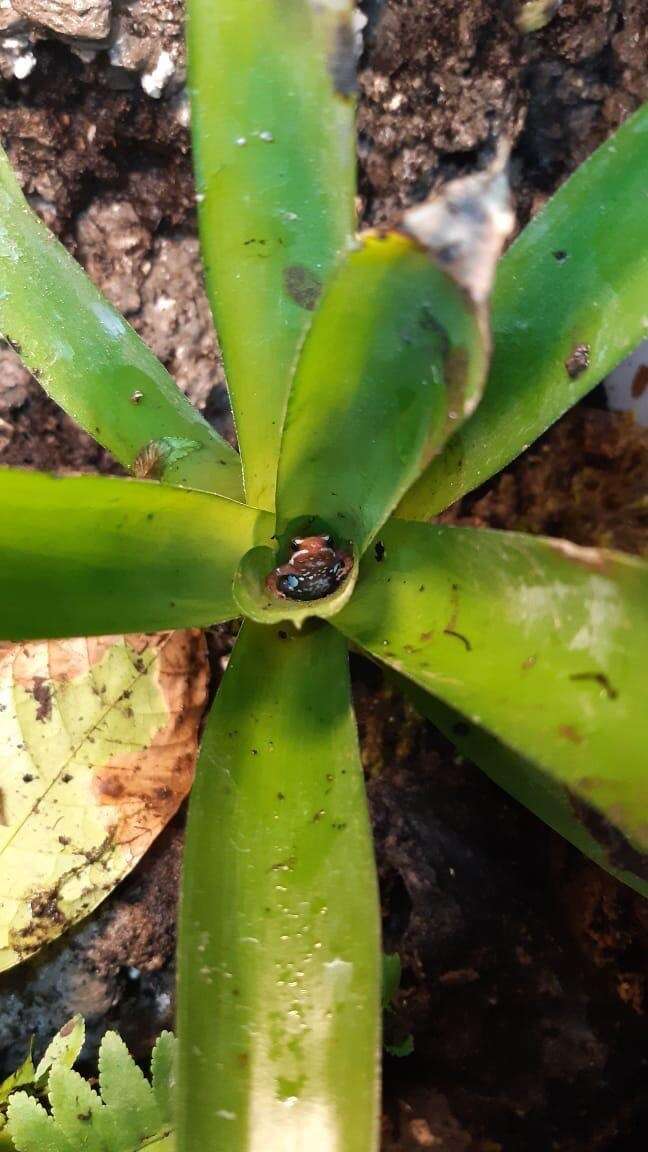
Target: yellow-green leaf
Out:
[22,1076]
[539,642]
[91,361]
[272,118]
[98,740]
[279,956]
[97,555]
[64,1049]
[569,304]
[394,361]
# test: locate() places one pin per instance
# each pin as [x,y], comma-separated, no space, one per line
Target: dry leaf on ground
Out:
[98,743]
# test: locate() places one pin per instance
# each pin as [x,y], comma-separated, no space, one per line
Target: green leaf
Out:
[98,742]
[279,984]
[391,977]
[131,1114]
[163,1062]
[571,291]
[90,360]
[395,359]
[23,1075]
[536,640]
[64,1050]
[544,794]
[76,1109]
[393,348]
[94,555]
[127,1118]
[405,1048]
[273,111]
[32,1130]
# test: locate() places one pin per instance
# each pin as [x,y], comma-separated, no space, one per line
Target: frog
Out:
[315,569]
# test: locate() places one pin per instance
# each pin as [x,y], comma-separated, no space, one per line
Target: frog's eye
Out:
[327,541]
[296,543]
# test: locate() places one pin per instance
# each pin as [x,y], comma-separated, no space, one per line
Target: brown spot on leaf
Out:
[149,462]
[44,906]
[465,225]
[568,732]
[302,285]
[42,693]
[458,636]
[109,789]
[598,678]
[578,360]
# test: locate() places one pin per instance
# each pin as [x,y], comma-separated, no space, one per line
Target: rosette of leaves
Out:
[356,367]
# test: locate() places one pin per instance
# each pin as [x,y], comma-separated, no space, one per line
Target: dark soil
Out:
[523,965]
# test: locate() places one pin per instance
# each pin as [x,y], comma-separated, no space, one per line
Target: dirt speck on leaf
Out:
[597,678]
[42,693]
[578,361]
[569,732]
[302,285]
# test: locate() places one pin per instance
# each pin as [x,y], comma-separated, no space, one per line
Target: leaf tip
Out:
[466,225]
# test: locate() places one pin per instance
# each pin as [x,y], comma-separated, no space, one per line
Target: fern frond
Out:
[128,1114]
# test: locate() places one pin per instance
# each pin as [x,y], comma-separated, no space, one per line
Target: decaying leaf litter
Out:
[98,743]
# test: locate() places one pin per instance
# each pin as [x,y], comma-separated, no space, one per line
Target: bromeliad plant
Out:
[355,367]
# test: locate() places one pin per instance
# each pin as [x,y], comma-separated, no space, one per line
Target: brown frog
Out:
[315,569]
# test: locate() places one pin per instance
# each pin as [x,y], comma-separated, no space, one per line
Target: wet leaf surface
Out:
[538,641]
[89,359]
[279,980]
[395,359]
[273,131]
[93,555]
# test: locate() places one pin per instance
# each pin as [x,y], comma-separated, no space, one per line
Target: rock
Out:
[113,243]
[10,19]
[88,19]
[148,38]
[14,380]
[6,433]
[175,320]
